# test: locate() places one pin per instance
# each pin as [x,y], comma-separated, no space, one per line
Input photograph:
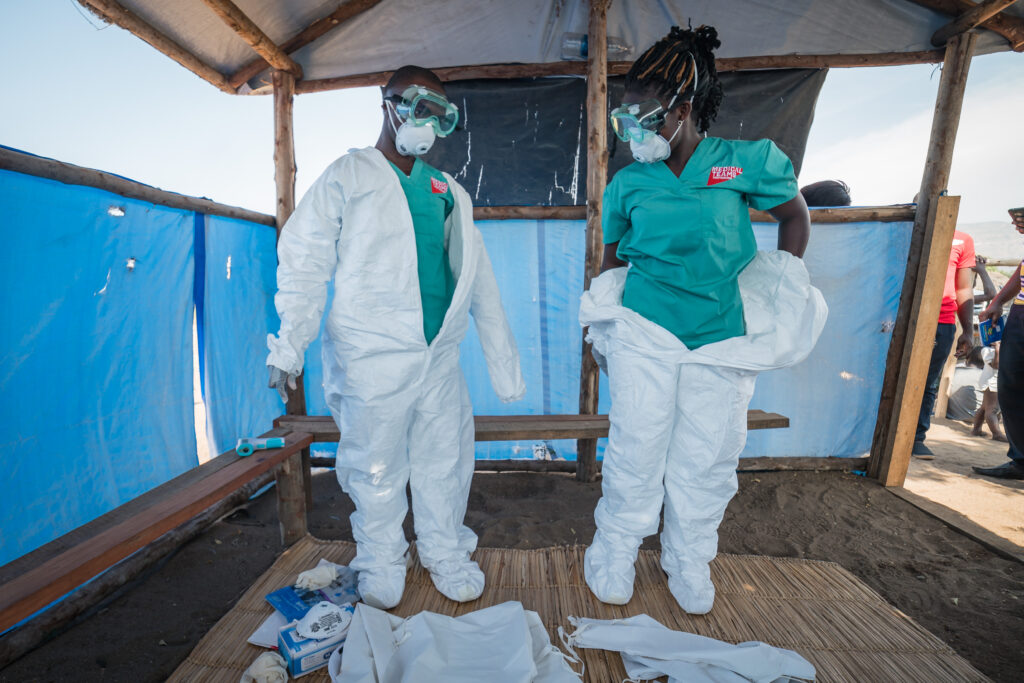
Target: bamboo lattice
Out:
[815,608]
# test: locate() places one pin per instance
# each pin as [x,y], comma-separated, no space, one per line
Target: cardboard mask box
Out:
[303,655]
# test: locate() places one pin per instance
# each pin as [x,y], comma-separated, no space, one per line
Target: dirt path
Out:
[996,504]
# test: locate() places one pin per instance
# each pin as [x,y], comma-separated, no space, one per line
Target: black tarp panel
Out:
[523,142]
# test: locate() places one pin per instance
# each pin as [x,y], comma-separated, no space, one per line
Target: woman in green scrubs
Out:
[672,332]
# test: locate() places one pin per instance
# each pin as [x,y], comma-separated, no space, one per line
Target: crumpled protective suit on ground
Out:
[402,406]
[267,668]
[650,649]
[499,644]
[679,421]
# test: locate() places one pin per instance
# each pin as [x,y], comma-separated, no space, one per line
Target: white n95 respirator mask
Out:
[651,147]
[411,140]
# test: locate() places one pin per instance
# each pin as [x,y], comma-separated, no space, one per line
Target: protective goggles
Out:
[634,121]
[421,106]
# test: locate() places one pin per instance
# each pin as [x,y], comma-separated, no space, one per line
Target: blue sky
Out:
[100,97]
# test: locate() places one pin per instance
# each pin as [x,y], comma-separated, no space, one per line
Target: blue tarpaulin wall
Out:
[96,368]
[96,372]
[831,398]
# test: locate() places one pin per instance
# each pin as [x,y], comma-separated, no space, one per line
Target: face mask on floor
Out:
[324,620]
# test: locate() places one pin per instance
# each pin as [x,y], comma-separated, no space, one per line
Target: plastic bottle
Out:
[574,47]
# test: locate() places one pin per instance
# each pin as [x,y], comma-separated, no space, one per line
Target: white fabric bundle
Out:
[784,317]
[267,668]
[500,644]
[649,649]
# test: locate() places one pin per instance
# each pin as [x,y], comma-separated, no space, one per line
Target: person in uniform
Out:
[684,315]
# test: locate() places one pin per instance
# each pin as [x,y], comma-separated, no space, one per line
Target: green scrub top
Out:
[430,203]
[688,238]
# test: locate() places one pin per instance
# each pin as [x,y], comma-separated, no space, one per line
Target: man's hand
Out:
[1018,222]
[279,379]
[964,344]
[991,312]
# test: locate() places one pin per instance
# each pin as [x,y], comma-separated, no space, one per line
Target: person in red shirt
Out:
[957,302]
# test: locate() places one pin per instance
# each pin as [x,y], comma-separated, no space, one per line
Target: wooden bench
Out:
[533,428]
[516,427]
[41,577]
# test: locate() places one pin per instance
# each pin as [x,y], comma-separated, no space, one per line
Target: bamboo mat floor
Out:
[816,608]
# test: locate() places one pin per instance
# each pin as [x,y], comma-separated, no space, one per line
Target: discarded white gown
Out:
[499,644]
[650,649]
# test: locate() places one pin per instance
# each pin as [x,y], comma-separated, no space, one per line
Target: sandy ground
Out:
[969,597]
[996,504]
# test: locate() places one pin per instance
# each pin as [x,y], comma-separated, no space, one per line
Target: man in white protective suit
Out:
[408,265]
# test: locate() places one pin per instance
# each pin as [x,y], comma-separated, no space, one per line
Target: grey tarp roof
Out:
[441,33]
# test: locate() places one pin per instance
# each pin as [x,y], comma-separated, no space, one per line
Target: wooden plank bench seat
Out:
[516,427]
[42,576]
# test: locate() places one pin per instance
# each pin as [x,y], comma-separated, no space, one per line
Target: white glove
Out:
[278,379]
[267,668]
[316,578]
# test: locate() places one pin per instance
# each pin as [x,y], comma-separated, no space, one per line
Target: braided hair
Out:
[674,63]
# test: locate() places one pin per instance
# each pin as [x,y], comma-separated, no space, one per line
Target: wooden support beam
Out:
[252,34]
[893,454]
[846,214]
[29,164]
[529,213]
[597,178]
[284,179]
[535,70]
[970,19]
[292,483]
[850,214]
[1008,26]
[113,13]
[914,332]
[345,12]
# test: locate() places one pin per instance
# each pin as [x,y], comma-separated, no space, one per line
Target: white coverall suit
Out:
[401,405]
[679,421]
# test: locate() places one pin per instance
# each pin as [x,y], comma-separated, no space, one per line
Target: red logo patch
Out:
[438,186]
[719,174]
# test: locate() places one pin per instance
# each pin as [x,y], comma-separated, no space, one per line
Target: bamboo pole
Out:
[344,13]
[847,214]
[252,34]
[970,19]
[1006,25]
[910,348]
[29,164]
[533,70]
[597,177]
[284,178]
[112,12]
